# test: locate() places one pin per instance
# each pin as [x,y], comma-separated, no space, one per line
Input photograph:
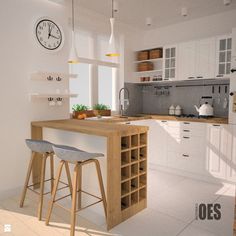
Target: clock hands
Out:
[49,30]
[54,36]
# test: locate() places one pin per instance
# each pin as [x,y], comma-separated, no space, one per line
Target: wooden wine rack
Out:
[133,174]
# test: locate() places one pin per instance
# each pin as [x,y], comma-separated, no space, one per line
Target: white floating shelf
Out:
[53,95]
[148,72]
[151,60]
[52,76]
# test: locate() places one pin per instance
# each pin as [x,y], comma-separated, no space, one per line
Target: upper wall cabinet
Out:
[169,70]
[224,55]
[187,58]
[197,59]
[205,58]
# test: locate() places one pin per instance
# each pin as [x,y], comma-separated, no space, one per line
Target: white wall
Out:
[189,30]
[21,55]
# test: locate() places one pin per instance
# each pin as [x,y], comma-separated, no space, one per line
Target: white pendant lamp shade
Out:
[73,57]
[112,50]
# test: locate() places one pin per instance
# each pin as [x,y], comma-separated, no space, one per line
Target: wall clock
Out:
[49,34]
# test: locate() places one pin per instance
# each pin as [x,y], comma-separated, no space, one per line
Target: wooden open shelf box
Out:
[133,173]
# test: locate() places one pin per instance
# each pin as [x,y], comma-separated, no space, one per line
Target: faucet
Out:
[122,107]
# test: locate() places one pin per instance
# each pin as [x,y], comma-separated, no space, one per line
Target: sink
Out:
[99,118]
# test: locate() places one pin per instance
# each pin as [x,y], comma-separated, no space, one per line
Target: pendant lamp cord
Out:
[112,8]
[73,17]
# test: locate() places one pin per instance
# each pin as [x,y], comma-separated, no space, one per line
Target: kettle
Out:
[205,110]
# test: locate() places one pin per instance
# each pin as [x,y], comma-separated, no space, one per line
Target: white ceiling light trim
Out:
[112,50]
[227,2]
[115,6]
[184,11]
[148,21]
[73,57]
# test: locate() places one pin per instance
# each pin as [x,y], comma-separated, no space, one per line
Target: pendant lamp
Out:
[73,57]
[112,50]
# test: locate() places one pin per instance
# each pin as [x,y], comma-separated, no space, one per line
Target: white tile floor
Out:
[170,212]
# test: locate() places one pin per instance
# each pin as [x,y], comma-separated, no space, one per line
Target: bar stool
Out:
[45,149]
[78,158]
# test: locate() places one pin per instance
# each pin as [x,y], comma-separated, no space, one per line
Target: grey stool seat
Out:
[40,146]
[72,154]
[41,150]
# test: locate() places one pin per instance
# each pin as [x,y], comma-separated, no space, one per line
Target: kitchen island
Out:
[125,149]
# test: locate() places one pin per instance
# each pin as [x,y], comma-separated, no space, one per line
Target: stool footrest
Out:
[82,208]
[29,186]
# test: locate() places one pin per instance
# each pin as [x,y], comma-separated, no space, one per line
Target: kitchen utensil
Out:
[171,110]
[178,110]
[225,103]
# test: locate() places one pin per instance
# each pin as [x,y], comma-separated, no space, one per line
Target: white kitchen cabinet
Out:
[157,140]
[170,63]
[205,58]
[217,139]
[206,150]
[197,59]
[223,56]
[231,162]
[187,60]
[187,147]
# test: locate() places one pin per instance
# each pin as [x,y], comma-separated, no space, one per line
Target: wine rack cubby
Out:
[133,172]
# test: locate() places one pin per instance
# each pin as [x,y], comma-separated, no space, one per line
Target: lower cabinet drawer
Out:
[194,163]
[187,144]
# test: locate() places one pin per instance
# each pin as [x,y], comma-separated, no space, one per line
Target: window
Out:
[81,85]
[107,86]
[97,74]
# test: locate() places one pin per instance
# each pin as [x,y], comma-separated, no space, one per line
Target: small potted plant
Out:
[101,110]
[81,111]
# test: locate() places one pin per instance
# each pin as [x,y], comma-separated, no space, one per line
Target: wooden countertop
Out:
[92,127]
[214,120]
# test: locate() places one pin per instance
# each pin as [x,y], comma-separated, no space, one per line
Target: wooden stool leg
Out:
[52,171]
[101,186]
[79,187]
[68,177]
[40,207]
[54,192]
[74,197]
[27,179]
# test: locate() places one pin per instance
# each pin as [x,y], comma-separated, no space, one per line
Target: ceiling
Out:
[162,12]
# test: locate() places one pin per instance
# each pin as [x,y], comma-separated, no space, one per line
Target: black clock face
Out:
[48,34]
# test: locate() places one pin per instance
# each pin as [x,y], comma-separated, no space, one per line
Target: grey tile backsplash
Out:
[157,98]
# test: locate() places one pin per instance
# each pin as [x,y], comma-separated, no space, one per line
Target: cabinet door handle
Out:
[219,76]
[127,123]
[191,77]
[186,130]
[199,77]
[185,155]
[164,121]
[233,70]
[186,123]
[186,137]
[216,125]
